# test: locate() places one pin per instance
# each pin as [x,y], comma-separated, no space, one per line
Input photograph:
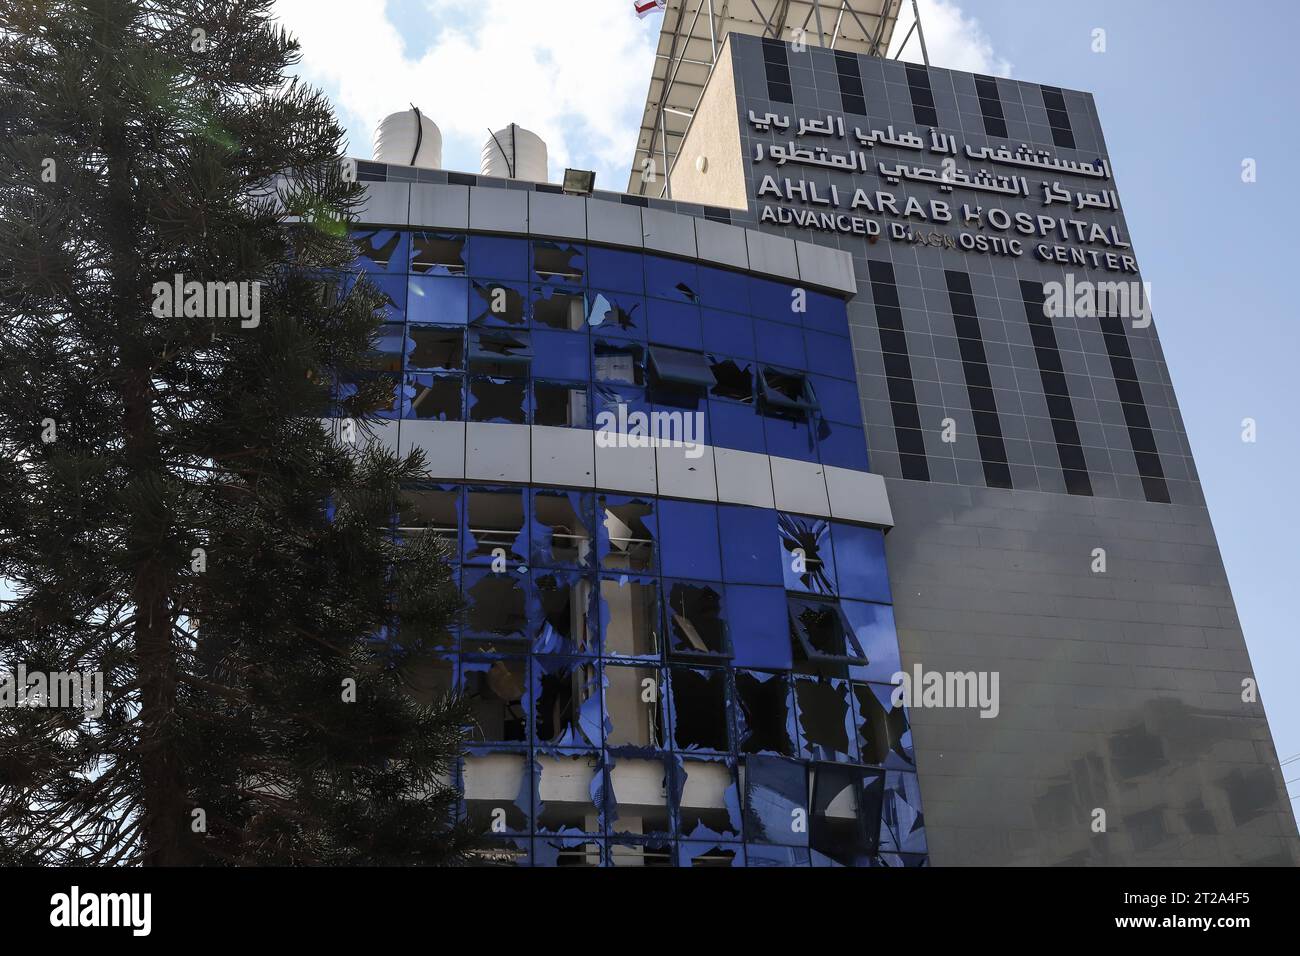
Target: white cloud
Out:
[574,72]
[955,41]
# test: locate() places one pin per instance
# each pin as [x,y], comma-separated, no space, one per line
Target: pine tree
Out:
[173,514]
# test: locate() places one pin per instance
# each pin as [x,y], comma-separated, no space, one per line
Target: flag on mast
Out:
[646,7]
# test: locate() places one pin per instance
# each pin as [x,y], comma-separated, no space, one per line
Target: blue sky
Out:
[1185,93]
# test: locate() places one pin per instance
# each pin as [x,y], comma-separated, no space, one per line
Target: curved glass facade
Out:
[655,681]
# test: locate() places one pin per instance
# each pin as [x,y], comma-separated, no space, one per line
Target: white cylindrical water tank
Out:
[515,153]
[409,138]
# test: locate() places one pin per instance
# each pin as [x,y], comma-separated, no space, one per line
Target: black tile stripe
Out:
[918,84]
[995,122]
[1058,117]
[898,373]
[979,385]
[778,72]
[852,97]
[1074,467]
[1140,435]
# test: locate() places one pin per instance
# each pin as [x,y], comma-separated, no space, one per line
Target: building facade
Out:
[889,437]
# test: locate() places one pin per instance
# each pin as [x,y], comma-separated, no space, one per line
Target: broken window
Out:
[560,405]
[562,522]
[500,352]
[786,393]
[566,703]
[710,854]
[564,606]
[634,706]
[700,709]
[386,356]
[497,303]
[672,279]
[765,715]
[377,248]
[732,382]
[630,616]
[884,734]
[437,348]
[776,801]
[709,804]
[495,527]
[433,511]
[504,852]
[627,533]
[824,717]
[566,852]
[696,623]
[495,691]
[571,790]
[438,253]
[641,853]
[563,309]
[806,555]
[845,822]
[823,642]
[680,368]
[620,315]
[498,793]
[496,610]
[619,362]
[497,400]
[902,824]
[559,261]
[639,797]
[435,397]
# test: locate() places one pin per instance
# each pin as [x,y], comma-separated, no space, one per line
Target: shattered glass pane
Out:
[436,347]
[710,854]
[500,352]
[639,797]
[571,789]
[495,527]
[765,713]
[562,524]
[733,382]
[618,362]
[824,717]
[496,609]
[497,303]
[619,315]
[902,823]
[437,253]
[695,620]
[627,533]
[776,801]
[884,734]
[504,852]
[845,812]
[820,635]
[560,405]
[498,793]
[378,248]
[497,400]
[709,804]
[652,853]
[558,261]
[630,616]
[435,397]
[806,555]
[566,703]
[564,309]
[700,709]
[555,852]
[495,690]
[564,604]
[634,707]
